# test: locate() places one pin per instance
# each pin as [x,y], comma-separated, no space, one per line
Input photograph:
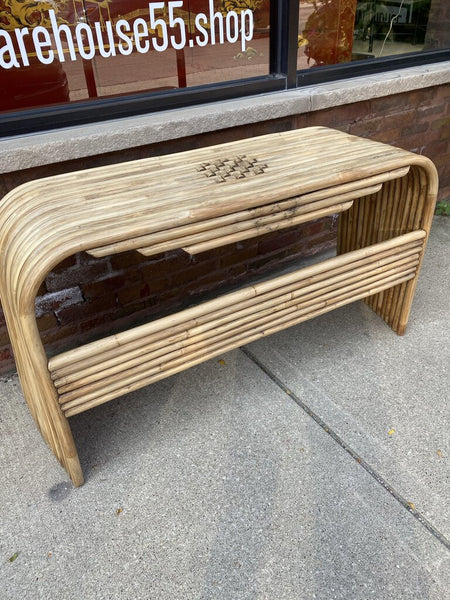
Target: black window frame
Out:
[283,75]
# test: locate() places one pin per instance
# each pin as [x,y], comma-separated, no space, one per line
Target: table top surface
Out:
[57,216]
[184,187]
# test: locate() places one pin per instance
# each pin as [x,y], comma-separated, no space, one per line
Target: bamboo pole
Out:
[150,354]
[77,407]
[151,348]
[93,349]
[119,375]
[274,217]
[101,359]
[145,241]
[263,229]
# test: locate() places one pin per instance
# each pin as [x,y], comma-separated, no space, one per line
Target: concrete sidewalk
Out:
[313,464]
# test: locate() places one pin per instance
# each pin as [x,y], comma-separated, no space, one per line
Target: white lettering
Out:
[201,17]
[212,21]
[39,44]
[20,33]
[246,29]
[161,32]
[128,48]
[158,23]
[100,42]
[8,48]
[140,30]
[90,52]
[57,29]
[232,30]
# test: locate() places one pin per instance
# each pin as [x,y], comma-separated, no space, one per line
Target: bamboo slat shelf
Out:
[198,200]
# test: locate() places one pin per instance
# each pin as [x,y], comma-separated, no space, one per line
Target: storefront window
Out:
[340,31]
[65,51]
[76,61]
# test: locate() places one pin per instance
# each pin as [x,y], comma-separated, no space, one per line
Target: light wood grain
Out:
[385,197]
[149,347]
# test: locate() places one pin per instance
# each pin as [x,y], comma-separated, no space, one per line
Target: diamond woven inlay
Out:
[238,167]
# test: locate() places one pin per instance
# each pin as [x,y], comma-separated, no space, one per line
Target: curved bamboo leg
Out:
[401,206]
[39,391]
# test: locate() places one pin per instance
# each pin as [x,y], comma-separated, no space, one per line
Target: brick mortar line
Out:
[378,478]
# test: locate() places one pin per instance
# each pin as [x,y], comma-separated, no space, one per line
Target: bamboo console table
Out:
[198,200]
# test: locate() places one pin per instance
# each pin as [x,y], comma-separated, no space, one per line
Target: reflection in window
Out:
[63,51]
[339,31]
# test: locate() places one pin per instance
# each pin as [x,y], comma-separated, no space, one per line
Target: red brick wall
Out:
[84,297]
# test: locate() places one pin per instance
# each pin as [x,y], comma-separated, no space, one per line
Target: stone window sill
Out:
[37,149]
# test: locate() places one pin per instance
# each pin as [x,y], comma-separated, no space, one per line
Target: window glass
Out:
[339,31]
[65,51]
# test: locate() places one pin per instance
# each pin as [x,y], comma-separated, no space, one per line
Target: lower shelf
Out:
[103,370]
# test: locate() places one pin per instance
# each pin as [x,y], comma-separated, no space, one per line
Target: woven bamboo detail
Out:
[238,167]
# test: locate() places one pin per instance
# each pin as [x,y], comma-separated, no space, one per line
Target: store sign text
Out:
[124,37]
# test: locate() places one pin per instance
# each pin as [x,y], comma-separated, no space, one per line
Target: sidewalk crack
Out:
[378,478]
